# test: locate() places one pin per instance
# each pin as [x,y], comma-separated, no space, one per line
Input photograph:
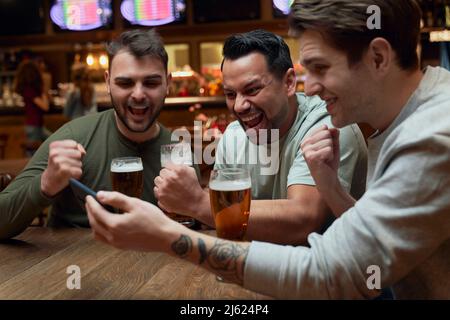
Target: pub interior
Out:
[65,36]
[193,42]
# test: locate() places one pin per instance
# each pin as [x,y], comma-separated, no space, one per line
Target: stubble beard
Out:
[123,120]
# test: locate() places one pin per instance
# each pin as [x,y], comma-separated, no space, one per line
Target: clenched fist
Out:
[321,152]
[64,162]
[178,190]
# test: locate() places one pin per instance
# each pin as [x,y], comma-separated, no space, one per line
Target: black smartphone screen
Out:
[81,192]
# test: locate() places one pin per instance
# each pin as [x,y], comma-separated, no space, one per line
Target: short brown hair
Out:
[139,43]
[344,24]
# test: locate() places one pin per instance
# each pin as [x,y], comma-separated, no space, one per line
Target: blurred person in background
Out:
[81,100]
[46,75]
[30,85]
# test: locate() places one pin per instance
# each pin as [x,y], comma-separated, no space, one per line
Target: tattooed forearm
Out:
[226,257]
[183,246]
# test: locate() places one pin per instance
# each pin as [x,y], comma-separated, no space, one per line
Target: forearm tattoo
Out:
[183,246]
[226,257]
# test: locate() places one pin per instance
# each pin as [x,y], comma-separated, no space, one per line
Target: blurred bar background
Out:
[63,35]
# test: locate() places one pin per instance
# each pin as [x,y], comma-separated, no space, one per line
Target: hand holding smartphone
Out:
[81,192]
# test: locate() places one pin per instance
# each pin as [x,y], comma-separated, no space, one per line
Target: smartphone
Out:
[81,192]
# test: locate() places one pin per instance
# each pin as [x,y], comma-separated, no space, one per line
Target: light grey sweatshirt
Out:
[401,224]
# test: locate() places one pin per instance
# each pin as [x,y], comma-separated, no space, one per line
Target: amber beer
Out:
[127,176]
[230,205]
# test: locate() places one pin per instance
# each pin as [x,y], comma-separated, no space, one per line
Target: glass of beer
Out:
[127,176]
[230,197]
[178,154]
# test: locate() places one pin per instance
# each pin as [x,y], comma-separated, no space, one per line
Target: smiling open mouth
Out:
[254,120]
[138,111]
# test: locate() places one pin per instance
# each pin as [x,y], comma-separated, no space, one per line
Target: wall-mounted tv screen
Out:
[21,17]
[225,10]
[80,15]
[153,12]
[281,8]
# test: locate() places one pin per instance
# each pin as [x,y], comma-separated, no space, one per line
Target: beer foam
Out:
[230,185]
[126,167]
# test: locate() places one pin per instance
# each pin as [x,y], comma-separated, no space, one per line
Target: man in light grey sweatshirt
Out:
[365,66]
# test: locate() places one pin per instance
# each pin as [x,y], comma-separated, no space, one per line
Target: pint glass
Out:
[230,197]
[127,176]
[178,154]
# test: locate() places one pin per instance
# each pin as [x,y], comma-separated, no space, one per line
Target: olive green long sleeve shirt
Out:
[22,200]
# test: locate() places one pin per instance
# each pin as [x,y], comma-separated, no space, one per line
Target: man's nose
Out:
[138,92]
[312,86]
[241,104]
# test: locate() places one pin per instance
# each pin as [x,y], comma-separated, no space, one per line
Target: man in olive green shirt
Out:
[137,81]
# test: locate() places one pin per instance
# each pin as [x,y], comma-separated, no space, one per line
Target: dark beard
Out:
[122,117]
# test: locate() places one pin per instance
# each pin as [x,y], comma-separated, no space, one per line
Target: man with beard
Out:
[260,89]
[137,81]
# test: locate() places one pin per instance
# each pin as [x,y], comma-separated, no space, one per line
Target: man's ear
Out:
[380,55]
[290,81]
[107,81]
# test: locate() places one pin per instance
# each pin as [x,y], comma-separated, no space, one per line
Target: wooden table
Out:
[34,266]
